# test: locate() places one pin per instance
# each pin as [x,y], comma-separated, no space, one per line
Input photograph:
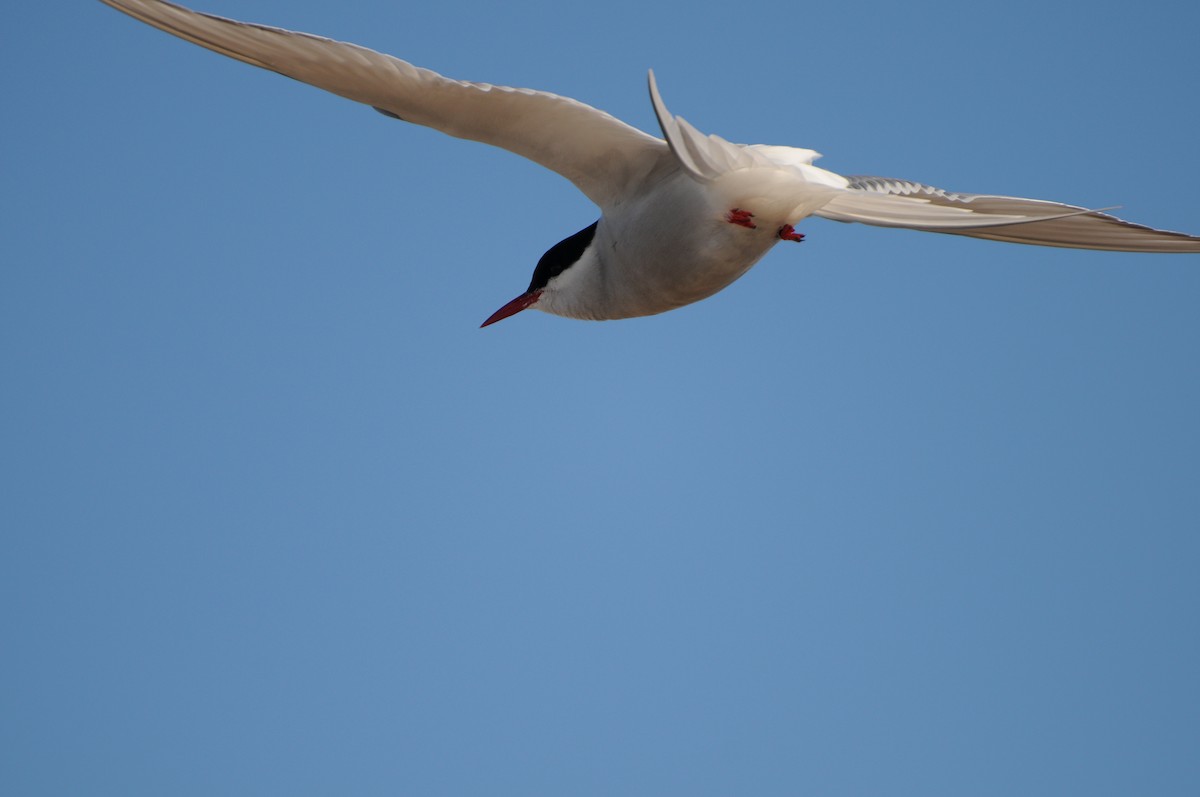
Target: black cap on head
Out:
[561,256]
[558,259]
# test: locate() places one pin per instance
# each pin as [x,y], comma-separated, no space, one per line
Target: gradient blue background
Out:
[896,514]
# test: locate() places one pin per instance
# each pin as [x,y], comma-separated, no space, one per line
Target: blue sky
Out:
[895,514]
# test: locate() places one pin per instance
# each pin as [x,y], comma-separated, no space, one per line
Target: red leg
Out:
[741,218]
[788,233]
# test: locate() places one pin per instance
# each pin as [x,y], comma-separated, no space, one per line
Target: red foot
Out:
[788,233]
[742,218]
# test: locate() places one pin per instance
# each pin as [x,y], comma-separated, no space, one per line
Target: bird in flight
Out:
[681,217]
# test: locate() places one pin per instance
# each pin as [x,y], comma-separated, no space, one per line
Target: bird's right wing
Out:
[901,203]
[604,157]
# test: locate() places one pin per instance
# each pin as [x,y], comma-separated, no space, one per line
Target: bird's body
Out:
[681,217]
[675,224]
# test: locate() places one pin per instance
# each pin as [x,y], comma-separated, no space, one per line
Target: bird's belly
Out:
[675,244]
[670,267]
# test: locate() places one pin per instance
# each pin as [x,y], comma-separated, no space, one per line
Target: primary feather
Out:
[597,152]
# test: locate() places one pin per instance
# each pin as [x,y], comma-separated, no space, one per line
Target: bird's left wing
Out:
[604,157]
[901,203]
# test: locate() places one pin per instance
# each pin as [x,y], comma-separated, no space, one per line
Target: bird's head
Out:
[552,266]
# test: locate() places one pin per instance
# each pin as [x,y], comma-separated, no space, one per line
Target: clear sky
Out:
[896,514]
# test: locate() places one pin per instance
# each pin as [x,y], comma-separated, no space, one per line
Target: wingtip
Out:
[652,83]
[660,107]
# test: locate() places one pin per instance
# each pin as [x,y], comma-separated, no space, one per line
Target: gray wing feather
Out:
[890,202]
[601,155]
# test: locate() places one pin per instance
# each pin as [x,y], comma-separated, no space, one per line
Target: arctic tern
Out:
[681,218]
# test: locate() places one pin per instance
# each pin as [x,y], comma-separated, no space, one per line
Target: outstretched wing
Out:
[601,155]
[901,203]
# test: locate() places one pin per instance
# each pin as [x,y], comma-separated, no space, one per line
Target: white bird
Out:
[680,219]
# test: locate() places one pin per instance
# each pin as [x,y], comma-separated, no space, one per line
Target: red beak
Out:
[522,302]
